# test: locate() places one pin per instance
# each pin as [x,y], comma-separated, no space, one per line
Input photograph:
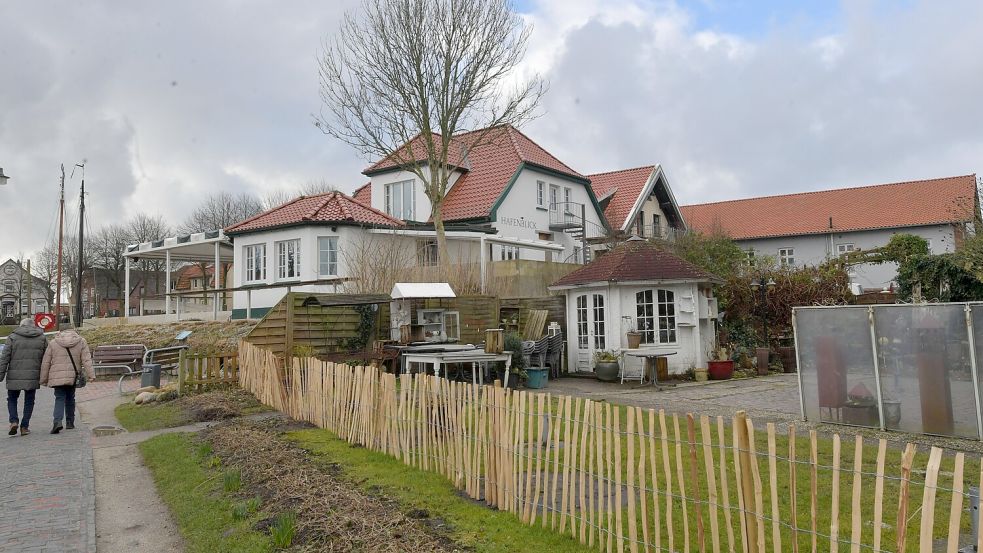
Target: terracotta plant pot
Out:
[606,371]
[634,340]
[720,370]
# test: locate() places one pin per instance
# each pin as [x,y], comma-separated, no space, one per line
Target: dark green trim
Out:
[493,212]
[554,172]
[257,313]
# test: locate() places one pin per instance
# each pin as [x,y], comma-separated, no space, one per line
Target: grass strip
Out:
[469,523]
[155,416]
[194,495]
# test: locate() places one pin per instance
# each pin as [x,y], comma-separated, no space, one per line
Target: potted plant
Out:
[633,335]
[720,366]
[513,343]
[606,367]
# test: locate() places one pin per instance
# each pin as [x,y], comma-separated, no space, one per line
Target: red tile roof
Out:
[332,207]
[635,260]
[363,194]
[487,168]
[628,183]
[897,205]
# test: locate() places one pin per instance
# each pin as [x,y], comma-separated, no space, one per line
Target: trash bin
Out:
[150,376]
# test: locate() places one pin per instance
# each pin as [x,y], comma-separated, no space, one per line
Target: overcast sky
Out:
[168,101]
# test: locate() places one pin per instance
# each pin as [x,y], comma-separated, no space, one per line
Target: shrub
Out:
[283,530]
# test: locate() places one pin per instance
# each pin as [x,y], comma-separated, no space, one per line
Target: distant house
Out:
[14,300]
[102,290]
[639,286]
[809,228]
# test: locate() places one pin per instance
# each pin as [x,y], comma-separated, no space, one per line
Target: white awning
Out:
[191,247]
[422,290]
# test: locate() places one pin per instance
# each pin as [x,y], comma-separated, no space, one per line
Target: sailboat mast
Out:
[61,236]
[78,286]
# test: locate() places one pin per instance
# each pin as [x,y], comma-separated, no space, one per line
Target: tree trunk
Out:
[442,252]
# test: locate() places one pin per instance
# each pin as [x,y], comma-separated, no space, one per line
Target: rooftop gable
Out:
[331,207]
[885,206]
[634,261]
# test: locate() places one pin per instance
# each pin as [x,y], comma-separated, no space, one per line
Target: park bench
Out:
[119,359]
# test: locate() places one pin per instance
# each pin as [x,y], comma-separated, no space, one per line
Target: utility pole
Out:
[30,297]
[78,291]
[61,237]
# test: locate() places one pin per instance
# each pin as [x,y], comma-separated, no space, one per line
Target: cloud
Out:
[170,102]
[892,95]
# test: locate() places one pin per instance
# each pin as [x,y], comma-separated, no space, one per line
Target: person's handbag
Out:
[79,377]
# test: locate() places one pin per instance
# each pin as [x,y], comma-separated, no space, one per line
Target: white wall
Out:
[693,335]
[423,205]
[520,217]
[815,249]
[308,236]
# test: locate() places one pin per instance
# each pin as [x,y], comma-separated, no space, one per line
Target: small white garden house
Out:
[639,286]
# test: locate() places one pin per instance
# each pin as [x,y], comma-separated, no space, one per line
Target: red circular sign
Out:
[45,321]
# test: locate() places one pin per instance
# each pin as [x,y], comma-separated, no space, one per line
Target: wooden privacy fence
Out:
[200,372]
[621,478]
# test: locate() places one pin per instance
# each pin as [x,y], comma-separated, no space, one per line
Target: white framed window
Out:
[582,339]
[452,325]
[599,334]
[429,254]
[8,286]
[656,225]
[567,194]
[655,312]
[843,249]
[540,193]
[39,306]
[327,256]
[401,200]
[749,253]
[196,284]
[288,259]
[578,254]
[509,253]
[786,256]
[255,257]
[554,197]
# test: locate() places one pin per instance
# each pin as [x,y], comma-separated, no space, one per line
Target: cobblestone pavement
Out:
[47,490]
[103,388]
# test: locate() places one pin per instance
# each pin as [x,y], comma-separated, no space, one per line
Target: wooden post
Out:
[858,465]
[747,484]
[181,368]
[956,506]
[907,458]
[928,499]
[879,493]
[776,533]
[834,511]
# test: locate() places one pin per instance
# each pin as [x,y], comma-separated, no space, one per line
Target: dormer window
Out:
[401,200]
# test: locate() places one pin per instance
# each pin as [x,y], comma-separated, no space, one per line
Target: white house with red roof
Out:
[809,228]
[508,198]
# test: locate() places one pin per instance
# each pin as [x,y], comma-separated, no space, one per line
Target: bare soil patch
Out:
[332,515]
[220,404]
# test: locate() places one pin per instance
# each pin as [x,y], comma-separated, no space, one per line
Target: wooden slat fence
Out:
[622,478]
[201,372]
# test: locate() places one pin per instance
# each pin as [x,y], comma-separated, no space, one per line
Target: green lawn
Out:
[471,524]
[154,416]
[6,329]
[195,497]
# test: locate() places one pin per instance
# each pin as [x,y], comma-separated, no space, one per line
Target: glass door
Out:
[591,329]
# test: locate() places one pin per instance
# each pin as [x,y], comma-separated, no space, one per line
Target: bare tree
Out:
[220,210]
[280,196]
[142,227]
[402,77]
[46,268]
[70,264]
[109,245]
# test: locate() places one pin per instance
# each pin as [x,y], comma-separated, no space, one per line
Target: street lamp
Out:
[3,178]
[761,289]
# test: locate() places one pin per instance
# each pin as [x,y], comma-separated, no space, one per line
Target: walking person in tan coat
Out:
[67,357]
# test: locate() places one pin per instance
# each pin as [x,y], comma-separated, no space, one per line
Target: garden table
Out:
[477,357]
[649,356]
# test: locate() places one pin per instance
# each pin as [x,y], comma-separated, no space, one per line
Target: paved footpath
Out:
[47,490]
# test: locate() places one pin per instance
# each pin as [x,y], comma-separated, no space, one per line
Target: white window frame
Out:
[541,193]
[429,252]
[452,327]
[554,197]
[401,212]
[284,249]
[600,331]
[583,340]
[567,199]
[655,310]
[786,256]
[255,265]
[332,251]
[844,248]
[508,253]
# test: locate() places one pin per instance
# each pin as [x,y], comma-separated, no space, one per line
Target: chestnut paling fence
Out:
[620,478]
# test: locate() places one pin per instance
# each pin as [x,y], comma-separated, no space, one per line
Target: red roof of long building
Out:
[488,167]
[331,207]
[635,260]
[896,205]
[628,185]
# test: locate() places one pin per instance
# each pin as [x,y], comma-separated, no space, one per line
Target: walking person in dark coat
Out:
[20,365]
[67,357]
